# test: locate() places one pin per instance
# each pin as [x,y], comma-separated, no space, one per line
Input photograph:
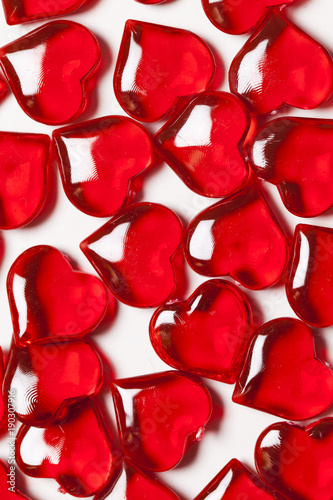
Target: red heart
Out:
[297,461]
[280,64]
[137,254]
[296,155]
[47,70]
[22,11]
[204,144]
[159,415]
[49,300]
[207,334]
[240,237]
[148,81]
[8,489]
[282,375]
[99,161]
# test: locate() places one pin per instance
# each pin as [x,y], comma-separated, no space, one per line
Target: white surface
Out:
[127,342]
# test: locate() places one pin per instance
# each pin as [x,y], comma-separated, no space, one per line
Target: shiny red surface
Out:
[46,378]
[204,144]
[240,237]
[137,254]
[77,453]
[99,161]
[158,415]
[282,375]
[5,476]
[235,481]
[23,177]
[297,461]
[310,279]
[280,64]
[207,334]
[147,80]
[63,55]
[49,300]
[296,155]
[22,11]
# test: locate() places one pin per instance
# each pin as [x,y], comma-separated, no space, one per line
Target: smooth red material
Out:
[207,334]
[280,64]
[282,375]
[7,475]
[138,254]
[235,481]
[240,237]
[158,415]
[310,279]
[47,69]
[148,80]
[76,453]
[297,461]
[204,144]
[49,300]
[22,11]
[100,160]
[23,177]
[296,154]
[47,378]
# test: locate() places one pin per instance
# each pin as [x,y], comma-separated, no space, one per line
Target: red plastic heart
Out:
[22,11]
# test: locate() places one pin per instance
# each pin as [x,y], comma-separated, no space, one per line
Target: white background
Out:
[126,341]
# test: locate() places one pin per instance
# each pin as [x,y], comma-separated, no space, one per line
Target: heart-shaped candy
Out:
[49,300]
[240,237]
[280,64]
[204,144]
[99,161]
[207,334]
[310,279]
[138,254]
[296,154]
[282,375]
[297,461]
[22,11]
[8,489]
[47,70]
[148,81]
[158,415]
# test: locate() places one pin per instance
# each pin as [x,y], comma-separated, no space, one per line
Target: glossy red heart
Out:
[238,236]
[99,161]
[47,70]
[280,64]
[204,144]
[49,300]
[207,334]
[297,461]
[78,453]
[158,415]
[296,155]
[8,489]
[309,284]
[282,374]
[22,11]
[148,81]
[138,253]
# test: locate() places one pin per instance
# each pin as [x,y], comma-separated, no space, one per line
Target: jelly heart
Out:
[207,334]
[282,375]
[296,155]
[49,300]
[240,237]
[148,81]
[76,453]
[297,461]
[235,481]
[47,70]
[310,279]
[158,415]
[204,144]
[22,11]
[137,254]
[8,489]
[46,378]
[99,161]
[280,64]
[23,167]
[241,16]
